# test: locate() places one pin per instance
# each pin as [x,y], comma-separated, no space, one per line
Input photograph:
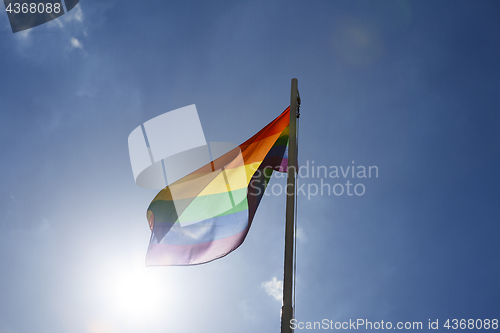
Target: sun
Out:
[136,292]
[133,292]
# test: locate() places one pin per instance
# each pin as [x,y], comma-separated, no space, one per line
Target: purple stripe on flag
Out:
[193,254]
[284,165]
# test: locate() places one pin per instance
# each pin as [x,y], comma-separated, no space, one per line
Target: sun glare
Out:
[134,293]
[137,292]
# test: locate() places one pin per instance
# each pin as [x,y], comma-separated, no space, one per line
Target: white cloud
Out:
[56,22]
[274,288]
[76,14]
[76,43]
[23,35]
[301,235]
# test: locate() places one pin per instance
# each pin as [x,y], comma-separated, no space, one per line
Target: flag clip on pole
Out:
[287,310]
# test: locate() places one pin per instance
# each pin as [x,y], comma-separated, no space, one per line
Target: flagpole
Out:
[287,311]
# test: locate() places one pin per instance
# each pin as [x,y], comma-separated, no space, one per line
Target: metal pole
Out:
[287,308]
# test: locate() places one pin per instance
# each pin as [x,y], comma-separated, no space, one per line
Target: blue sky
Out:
[411,87]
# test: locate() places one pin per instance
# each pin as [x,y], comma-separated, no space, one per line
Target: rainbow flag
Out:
[207,214]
